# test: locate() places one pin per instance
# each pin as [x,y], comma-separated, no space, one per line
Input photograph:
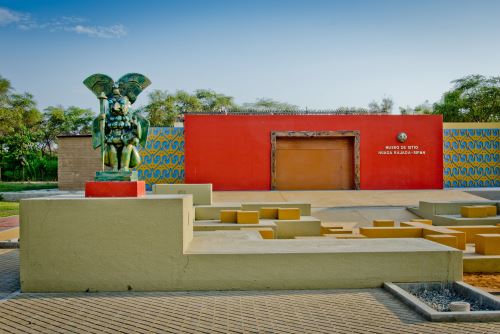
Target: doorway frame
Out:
[315,134]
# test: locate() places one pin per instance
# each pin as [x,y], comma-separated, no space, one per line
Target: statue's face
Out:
[119,105]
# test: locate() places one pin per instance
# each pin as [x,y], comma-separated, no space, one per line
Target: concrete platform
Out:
[452,220]
[347,198]
[147,244]
[216,225]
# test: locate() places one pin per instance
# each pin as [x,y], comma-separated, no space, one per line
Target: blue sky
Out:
[315,54]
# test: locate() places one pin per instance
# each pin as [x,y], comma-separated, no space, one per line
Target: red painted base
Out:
[115,189]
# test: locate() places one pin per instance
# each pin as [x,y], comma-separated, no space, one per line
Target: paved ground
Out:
[346,198]
[323,311]
[488,194]
[319,311]
[8,222]
[362,216]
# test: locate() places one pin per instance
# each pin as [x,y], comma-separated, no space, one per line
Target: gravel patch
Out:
[440,299]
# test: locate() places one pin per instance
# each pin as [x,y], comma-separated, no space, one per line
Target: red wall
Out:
[234,152]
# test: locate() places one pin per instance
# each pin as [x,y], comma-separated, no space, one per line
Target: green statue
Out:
[117,130]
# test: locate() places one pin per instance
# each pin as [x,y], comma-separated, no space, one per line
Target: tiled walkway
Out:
[320,311]
[8,222]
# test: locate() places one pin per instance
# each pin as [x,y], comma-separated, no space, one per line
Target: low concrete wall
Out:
[202,193]
[305,208]
[448,213]
[146,244]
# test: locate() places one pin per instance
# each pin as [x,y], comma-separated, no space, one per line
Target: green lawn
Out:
[9,209]
[19,186]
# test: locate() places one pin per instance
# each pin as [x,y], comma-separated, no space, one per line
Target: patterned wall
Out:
[162,157]
[471,157]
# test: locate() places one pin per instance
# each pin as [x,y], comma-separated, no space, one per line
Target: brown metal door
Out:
[314,163]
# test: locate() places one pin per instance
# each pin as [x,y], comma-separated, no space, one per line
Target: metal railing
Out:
[339,111]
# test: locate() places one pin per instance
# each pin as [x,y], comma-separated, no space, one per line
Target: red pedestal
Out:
[115,189]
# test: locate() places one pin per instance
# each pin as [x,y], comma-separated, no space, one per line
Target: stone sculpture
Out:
[117,130]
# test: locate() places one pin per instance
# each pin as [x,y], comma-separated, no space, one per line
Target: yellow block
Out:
[391,232]
[338,231]
[228,216]
[443,230]
[431,229]
[472,231]
[488,244]
[265,232]
[444,239]
[476,211]
[288,213]
[383,223]
[423,221]
[491,210]
[326,227]
[482,264]
[348,236]
[268,213]
[11,233]
[247,217]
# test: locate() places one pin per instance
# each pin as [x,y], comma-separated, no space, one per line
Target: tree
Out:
[385,107]
[422,109]
[212,101]
[164,108]
[60,121]
[185,102]
[267,104]
[474,98]
[20,150]
[161,109]
[351,110]
[16,111]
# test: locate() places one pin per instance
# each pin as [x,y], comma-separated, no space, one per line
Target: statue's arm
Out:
[96,132]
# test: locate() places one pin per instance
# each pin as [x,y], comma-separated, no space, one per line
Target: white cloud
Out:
[8,16]
[114,31]
[24,21]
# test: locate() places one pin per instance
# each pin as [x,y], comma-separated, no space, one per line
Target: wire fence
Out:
[286,112]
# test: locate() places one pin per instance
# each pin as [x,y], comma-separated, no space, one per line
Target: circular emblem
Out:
[402,137]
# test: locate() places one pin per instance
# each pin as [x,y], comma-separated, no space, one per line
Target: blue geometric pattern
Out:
[162,157]
[471,158]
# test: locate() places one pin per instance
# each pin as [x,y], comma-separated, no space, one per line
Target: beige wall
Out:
[77,162]
[202,192]
[146,244]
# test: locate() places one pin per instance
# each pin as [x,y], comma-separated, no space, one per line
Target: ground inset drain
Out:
[432,300]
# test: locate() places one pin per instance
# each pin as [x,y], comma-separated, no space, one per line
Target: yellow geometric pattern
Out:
[162,157]
[471,158]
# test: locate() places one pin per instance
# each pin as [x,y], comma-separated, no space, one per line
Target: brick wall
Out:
[77,162]
[162,159]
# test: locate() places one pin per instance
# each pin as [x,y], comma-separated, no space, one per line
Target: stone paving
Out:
[8,222]
[317,311]
[347,198]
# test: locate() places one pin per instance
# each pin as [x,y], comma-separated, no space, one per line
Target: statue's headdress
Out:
[130,85]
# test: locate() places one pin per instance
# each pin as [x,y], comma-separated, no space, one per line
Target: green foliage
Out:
[267,104]
[9,209]
[161,110]
[18,111]
[212,101]
[27,136]
[21,186]
[352,110]
[474,98]
[185,102]
[422,109]
[384,107]
[59,121]
[164,108]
